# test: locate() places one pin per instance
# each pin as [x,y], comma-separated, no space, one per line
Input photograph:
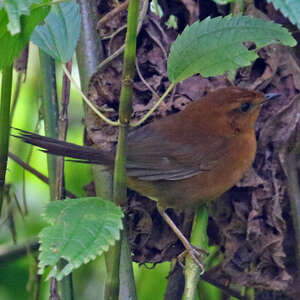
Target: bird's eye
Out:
[245,106]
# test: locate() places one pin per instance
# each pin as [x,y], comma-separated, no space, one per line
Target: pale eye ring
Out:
[245,106]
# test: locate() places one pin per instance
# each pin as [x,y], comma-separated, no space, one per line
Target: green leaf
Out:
[214,46]
[15,9]
[12,45]
[223,2]
[59,35]
[289,8]
[80,230]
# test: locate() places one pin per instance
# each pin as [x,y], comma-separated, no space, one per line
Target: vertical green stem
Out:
[4,126]
[125,109]
[89,54]
[50,112]
[191,270]
[127,283]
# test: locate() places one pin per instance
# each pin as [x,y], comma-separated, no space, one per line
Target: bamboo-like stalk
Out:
[5,126]
[89,55]
[50,111]
[125,109]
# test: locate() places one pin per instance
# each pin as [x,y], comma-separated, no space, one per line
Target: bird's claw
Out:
[196,253]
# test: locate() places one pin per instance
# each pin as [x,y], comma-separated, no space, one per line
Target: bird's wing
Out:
[151,156]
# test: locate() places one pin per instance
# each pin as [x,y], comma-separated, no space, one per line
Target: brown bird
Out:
[186,159]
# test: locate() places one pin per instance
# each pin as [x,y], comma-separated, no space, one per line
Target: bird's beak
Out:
[269,96]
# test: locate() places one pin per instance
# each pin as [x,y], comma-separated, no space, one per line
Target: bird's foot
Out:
[196,253]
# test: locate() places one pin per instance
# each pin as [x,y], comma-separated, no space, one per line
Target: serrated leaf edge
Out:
[59,275]
[216,20]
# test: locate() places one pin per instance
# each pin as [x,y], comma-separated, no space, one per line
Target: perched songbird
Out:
[186,159]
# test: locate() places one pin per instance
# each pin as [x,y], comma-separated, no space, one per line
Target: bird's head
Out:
[233,110]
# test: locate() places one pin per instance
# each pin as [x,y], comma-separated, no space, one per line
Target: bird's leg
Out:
[194,252]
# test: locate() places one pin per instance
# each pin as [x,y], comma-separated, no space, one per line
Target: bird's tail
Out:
[61,148]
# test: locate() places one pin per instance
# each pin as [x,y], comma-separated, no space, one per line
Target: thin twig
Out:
[9,254]
[62,131]
[156,40]
[54,289]
[35,172]
[144,81]
[109,59]
[147,115]
[112,35]
[10,218]
[87,101]
[112,14]
[109,46]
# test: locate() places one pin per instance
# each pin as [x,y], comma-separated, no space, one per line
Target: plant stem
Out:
[5,126]
[50,111]
[35,172]
[191,270]
[125,109]
[294,195]
[89,55]
[127,283]
[63,123]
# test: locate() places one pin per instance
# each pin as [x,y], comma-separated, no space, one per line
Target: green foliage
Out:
[80,230]
[15,9]
[12,45]
[289,8]
[214,46]
[59,35]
